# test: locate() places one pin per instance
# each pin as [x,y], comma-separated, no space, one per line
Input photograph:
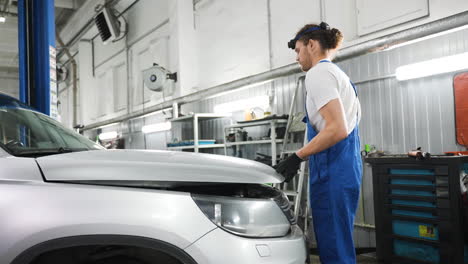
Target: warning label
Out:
[427,231]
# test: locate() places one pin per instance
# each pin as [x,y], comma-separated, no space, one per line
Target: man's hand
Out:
[288,167]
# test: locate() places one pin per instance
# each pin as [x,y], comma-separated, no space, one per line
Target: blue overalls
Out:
[335,179]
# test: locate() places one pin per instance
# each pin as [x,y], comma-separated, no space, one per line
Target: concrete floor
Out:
[362,259]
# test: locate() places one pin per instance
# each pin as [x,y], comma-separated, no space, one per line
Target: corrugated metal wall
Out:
[396,116]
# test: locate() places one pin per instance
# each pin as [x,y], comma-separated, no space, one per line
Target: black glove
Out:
[288,167]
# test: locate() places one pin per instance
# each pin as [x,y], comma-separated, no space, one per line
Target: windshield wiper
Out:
[44,152]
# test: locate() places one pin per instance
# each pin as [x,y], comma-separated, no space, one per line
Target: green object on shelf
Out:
[367,148]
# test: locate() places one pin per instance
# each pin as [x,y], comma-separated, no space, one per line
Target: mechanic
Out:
[333,152]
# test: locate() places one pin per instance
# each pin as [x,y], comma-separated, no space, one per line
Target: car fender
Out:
[33,213]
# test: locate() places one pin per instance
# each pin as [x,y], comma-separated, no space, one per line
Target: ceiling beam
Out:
[81,21]
[81,24]
[68,4]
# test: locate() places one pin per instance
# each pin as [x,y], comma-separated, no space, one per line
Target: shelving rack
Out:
[273,123]
[196,118]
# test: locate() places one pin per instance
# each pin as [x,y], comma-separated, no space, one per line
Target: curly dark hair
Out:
[329,39]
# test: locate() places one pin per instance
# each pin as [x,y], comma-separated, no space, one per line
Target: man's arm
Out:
[335,130]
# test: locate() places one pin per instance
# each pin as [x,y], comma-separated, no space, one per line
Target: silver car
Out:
[65,200]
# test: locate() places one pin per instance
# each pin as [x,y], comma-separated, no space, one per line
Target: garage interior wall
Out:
[233,42]
[207,43]
[396,116]
[9,83]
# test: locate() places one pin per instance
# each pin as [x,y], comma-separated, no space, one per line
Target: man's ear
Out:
[311,45]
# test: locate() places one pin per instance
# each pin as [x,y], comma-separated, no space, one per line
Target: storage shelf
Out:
[273,140]
[258,123]
[206,146]
[266,141]
[195,119]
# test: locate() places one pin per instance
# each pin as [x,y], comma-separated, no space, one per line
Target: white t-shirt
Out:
[325,82]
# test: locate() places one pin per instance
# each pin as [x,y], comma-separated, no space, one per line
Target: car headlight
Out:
[244,216]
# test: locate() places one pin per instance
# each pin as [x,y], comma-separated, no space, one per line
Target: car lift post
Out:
[37,55]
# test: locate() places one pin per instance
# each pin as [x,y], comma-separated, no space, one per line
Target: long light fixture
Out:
[427,37]
[432,67]
[108,135]
[258,101]
[156,127]
[239,89]
[2,19]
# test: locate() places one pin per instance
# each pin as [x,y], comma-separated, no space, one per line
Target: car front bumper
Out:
[219,246]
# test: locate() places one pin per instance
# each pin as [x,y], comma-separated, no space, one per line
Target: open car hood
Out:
[153,168]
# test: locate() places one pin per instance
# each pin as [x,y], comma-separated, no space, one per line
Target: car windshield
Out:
[27,133]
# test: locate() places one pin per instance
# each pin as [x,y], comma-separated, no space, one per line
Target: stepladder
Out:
[297,189]
[295,137]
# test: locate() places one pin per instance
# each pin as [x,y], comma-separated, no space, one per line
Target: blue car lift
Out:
[37,55]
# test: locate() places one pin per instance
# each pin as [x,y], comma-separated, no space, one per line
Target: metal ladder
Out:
[297,189]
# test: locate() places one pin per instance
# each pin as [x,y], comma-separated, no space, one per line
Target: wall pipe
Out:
[265,76]
[75,84]
[441,25]
[430,28]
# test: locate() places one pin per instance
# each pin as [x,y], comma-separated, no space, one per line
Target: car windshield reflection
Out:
[26,133]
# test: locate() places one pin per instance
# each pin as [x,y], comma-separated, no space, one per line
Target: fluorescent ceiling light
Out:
[109,125]
[259,101]
[239,89]
[432,67]
[427,37]
[2,19]
[108,135]
[156,127]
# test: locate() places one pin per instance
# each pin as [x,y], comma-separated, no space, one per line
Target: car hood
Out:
[154,166]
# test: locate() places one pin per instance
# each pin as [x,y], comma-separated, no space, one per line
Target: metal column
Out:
[37,55]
